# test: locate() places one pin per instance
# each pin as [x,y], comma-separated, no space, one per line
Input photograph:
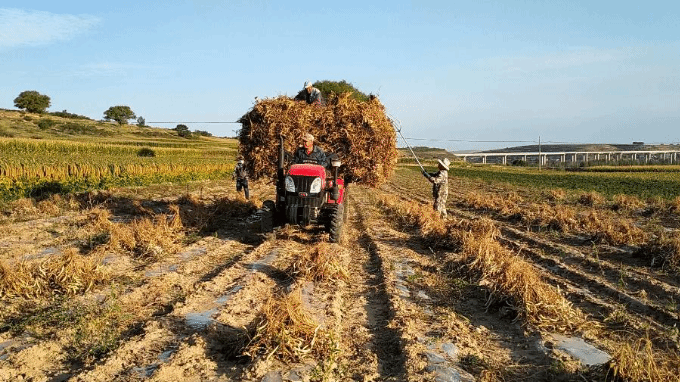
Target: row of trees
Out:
[34,102]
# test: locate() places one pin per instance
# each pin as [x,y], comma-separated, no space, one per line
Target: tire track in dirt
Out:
[387,340]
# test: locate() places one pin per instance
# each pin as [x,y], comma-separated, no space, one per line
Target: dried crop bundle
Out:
[288,330]
[64,274]
[324,262]
[359,132]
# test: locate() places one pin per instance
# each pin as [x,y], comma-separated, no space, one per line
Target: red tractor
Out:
[306,195]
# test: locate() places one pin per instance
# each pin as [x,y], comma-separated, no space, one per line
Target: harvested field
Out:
[167,284]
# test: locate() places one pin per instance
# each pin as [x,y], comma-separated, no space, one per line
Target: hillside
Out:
[423,153]
[19,124]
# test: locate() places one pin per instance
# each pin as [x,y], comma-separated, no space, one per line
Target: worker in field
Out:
[309,153]
[309,94]
[241,176]
[440,185]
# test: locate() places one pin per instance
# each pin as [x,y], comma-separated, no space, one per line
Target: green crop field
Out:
[640,181]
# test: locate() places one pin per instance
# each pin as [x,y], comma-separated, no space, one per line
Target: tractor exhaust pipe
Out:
[335,192]
[280,175]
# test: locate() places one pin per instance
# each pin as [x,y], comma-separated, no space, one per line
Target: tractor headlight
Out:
[290,185]
[316,186]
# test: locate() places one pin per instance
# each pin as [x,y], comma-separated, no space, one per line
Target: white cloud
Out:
[19,27]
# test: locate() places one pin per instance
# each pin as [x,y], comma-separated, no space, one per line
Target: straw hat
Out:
[308,137]
[444,163]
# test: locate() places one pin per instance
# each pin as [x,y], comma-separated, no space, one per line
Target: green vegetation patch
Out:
[643,184]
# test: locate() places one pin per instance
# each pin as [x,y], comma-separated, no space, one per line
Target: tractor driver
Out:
[310,153]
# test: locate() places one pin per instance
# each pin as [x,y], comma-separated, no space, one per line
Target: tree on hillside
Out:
[183,131]
[141,122]
[338,87]
[120,114]
[32,101]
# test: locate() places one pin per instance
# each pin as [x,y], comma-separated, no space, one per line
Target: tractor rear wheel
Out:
[335,223]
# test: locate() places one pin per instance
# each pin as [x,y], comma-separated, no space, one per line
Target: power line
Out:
[192,122]
[467,140]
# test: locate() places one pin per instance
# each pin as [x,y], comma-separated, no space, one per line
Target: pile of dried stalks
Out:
[359,132]
[322,263]
[437,233]
[65,274]
[146,238]
[288,331]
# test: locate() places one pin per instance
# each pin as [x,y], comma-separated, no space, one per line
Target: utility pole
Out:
[540,158]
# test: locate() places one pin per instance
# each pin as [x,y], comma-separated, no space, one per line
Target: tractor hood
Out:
[307,170]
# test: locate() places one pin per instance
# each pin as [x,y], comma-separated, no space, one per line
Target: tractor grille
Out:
[302,183]
[303,210]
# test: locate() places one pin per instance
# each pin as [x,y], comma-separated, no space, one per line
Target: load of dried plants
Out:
[360,133]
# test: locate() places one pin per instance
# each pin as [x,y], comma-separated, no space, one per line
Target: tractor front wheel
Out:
[335,223]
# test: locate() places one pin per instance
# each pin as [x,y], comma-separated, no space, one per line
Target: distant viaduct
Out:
[665,156]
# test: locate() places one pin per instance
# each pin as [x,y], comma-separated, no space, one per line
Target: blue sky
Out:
[456,74]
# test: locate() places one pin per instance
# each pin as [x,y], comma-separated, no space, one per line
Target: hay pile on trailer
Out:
[359,132]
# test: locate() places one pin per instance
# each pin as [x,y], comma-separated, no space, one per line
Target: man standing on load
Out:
[309,153]
[241,176]
[309,94]
[440,186]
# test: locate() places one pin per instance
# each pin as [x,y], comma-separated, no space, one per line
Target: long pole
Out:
[397,123]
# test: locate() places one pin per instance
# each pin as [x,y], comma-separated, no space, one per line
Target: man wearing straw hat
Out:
[309,94]
[309,153]
[440,185]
